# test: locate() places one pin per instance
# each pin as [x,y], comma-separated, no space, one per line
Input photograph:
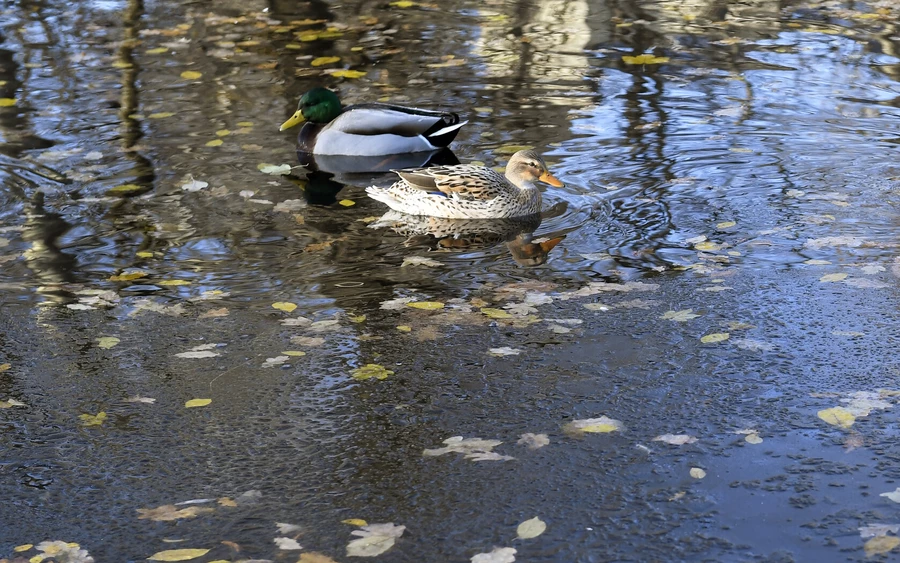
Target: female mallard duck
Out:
[466,191]
[368,129]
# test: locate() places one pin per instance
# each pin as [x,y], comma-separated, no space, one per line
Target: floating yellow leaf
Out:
[371,370]
[833,277]
[321,61]
[214,143]
[708,246]
[92,419]
[295,353]
[107,342]
[404,328]
[178,554]
[348,73]
[403,4]
[191,74]
[121,64]
[308,36]
[7,102]
[495,313]
[347,202]
[725,224]
[837,416]
[600,425]
[160,115]
[357,319]
[426,305]
[156,51]
[197,403]
[697,473]
[314,557]
[285,306]
[4,367]
[355,522]
[715,337]
[245,124]
[223,133]
[880,544]
[817,262]
[173,282]
[23,547]
[170,512]
[128,277]
[644,60]
[531,528]
[679,316]
[448,63]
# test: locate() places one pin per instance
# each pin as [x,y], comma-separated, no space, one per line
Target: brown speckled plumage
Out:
[466,191]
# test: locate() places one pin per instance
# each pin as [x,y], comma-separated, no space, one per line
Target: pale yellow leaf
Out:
[178,554]
[369,371]
[725,224]
[600,425]
[404,328]
[215,143]
[426,305]
[191,74]
[173,282]
[837,416]
[23,547]
[531,528]
[492,313]
[197,403]
[833,277]
[107,342]
[321,61]
[697,473]
[7,102]
[645,59]
[160,115]
[314,557]
[347,202]
[355,522]
[285,306]
[92,419]
[348,73]
[880,544]
[294,353]
[715,337]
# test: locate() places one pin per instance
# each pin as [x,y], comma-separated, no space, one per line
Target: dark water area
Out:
[721,308]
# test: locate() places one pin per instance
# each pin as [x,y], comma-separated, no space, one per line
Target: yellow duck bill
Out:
[295,119]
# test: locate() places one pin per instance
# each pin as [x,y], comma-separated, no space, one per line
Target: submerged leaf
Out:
[170,512]
[679,316]
[107,342]
[715,337]
[369,371]
[497,555]
[533,441]
[675,439]
[880,544]
[375,540]
[92,419]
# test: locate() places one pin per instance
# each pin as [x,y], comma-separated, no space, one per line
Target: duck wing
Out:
[464,181]
[379,119]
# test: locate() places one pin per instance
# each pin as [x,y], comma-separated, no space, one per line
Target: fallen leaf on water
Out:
[497,555]
[837,416]
[321,61]
[23,547]
[533,441]
[697,473]
[92,419]
[191,74]
[893,495]
[676,439]
[404,328]
[715,337]
[753,438]
[307,340]
[602,424]
[467,446]
[4,367]
[294,353]
[197,354]
[276,361]
[725,224]
[833,277]
[7,102]
[492,313]
[817,262]
[645,59]
[404,4]
[369,371]
[178,554]
[107,342]
[287,544]
[420,261]
[347,202]
[348,73]
[375,540]
[679,316]
[504,351]
[426,305]
[69,552]
[531,528]
[314,557]
[130,276]
[214,143]
[194,185]
[285,306]
[139,399]
[880,544]
[170,512]
[9,403]
[355,522]
[160,115]
[197,403]
[274,169]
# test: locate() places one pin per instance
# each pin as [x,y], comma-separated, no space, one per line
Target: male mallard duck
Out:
[368,129]
[466,191]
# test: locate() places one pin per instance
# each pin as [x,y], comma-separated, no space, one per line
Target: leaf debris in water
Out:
[369,371]
[496,555]
[837,416]
[601,425]
[531,528]
[178,554]
[375,539]
[197,403]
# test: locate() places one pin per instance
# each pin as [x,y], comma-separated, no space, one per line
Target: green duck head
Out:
[319,105]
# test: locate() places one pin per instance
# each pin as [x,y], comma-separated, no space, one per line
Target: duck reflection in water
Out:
[450,235]
[326,175]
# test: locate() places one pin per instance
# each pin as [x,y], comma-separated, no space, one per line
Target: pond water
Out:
[721,307]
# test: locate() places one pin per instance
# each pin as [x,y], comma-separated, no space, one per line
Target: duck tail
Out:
[444,130]
[382,195]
